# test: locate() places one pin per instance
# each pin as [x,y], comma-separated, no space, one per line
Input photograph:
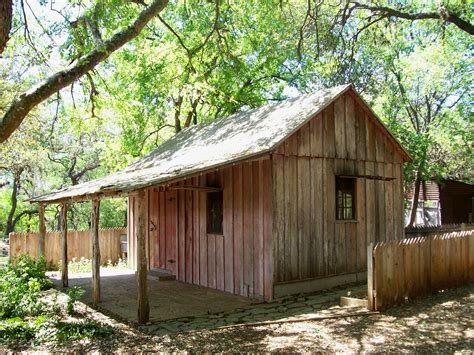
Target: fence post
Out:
[64,271]
[370,277]
[95,251]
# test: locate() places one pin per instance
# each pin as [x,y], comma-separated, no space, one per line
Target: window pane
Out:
[345,198]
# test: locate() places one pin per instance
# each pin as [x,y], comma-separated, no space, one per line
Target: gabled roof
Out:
[199,148]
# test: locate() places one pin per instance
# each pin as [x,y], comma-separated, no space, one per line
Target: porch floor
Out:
[168,299]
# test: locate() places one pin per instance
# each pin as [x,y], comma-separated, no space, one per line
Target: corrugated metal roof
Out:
[431,193]
[195,149]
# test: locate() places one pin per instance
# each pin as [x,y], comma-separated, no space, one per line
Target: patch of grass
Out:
[3,260]
[85,265]
[50,329]
[84,329]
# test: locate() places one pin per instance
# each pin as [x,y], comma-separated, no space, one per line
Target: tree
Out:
[26,101]
[426,90]
[19,164]
[196,65]
[449,12]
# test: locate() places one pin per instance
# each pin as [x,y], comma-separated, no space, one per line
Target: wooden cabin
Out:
[281,199]
[316,180]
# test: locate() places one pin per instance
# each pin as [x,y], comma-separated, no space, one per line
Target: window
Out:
[215,213]
[345,198]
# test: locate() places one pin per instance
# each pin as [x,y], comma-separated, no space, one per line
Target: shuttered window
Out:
[345,198]
[215,214]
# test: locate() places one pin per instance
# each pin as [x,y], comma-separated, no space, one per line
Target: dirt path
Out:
[440,323]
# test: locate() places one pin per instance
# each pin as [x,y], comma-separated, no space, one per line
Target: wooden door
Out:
[171,231]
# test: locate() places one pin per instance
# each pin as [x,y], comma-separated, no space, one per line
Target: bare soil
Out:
[442,323]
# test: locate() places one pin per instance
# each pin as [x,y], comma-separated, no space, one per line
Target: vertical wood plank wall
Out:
[240,260]
[342,140]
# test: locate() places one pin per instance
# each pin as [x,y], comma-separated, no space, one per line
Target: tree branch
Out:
[442,14]
[22,214]
[23,104]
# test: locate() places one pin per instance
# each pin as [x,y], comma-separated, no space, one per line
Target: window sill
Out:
[347,221]
[215,235]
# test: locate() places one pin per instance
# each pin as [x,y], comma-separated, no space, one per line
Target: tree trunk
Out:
[423,207]
[10,227]
[414,204]
[6,12]
[24,103]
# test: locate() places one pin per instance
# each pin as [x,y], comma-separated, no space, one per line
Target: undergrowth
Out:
[26,315]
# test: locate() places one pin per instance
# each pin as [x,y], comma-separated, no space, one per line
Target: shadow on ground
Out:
[439,323]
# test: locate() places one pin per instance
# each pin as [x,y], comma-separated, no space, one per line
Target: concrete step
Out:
[162,275]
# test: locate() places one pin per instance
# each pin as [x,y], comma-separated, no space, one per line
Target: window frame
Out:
[349,191]
[209,214]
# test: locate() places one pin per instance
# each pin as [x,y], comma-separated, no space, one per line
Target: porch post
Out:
[64,273]
[42,231]
[95,251]
[143,305]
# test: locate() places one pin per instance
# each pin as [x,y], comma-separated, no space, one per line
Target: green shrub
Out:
[24,317]
[15,329]
[81,330]
[75,294]
[20,285]
[50,329]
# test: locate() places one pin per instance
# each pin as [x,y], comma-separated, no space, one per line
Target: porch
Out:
[168,299]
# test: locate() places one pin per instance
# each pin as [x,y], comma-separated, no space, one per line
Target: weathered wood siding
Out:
[342,140]
[240,260]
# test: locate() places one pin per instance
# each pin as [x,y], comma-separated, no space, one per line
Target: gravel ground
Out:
[442,323]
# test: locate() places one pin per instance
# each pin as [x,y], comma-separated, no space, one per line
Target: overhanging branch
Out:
[442,14]
[24,103]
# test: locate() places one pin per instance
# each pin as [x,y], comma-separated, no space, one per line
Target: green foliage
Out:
[50,329]
[20,285]
[75,294]
[25,317]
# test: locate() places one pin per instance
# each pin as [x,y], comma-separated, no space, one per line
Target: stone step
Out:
[162,275]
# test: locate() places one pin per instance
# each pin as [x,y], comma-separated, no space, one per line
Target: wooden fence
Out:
[407,268]
[78,245]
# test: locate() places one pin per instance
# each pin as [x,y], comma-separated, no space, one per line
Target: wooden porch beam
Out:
[95,251]
[64,266]
[42,231]
[87,197]
[143,305]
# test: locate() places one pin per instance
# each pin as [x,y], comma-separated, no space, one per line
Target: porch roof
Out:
[195,149]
